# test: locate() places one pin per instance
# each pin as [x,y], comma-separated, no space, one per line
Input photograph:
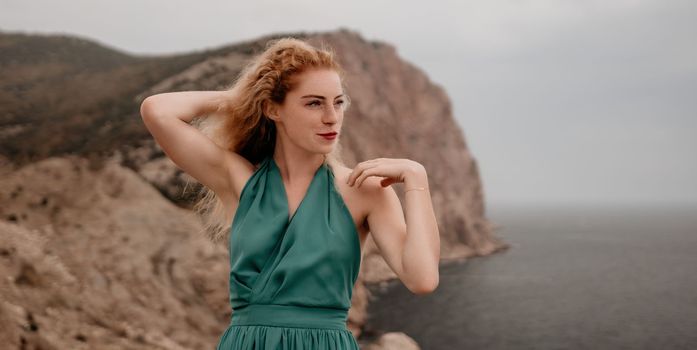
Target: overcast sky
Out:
[588,101]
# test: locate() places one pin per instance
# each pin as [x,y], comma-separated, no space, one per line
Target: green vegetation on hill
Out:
[67,95]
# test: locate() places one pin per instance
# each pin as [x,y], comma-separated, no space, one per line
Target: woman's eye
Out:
[318,103]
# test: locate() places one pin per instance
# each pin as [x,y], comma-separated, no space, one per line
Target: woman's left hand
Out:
[393,171]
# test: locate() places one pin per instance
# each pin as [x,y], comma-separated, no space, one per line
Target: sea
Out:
[575,277]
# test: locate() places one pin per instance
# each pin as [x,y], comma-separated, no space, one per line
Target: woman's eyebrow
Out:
[320,97]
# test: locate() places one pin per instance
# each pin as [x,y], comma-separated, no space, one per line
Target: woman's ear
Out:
[271,110]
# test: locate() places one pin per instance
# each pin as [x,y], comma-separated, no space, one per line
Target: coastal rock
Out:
[100,259]
[393,341]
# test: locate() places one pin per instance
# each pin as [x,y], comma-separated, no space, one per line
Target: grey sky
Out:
[561,101]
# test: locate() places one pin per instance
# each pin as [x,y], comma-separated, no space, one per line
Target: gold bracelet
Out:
[414,189]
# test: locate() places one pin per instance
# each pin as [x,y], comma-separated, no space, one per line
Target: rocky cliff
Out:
[96,232]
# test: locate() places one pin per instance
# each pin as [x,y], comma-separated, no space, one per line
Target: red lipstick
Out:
[329,135]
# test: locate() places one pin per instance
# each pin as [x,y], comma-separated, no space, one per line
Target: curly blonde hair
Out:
[240,123]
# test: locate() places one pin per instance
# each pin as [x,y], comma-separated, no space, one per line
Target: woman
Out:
[268,151]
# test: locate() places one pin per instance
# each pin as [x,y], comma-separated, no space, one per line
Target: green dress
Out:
[291,279]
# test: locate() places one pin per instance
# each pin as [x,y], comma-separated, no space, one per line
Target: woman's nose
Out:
[331,114]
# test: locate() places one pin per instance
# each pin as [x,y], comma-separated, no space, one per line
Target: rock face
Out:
[102,249]
[100,259]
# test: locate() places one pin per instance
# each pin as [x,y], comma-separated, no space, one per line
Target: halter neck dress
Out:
[291,278]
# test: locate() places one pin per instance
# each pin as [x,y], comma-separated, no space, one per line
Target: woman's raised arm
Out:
[167,117]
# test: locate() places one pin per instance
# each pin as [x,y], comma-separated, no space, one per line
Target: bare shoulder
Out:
[360,198]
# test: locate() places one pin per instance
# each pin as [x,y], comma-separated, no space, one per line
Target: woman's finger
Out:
[364,174]
[358,170]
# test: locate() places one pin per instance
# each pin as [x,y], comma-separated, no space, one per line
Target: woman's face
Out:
[315,106]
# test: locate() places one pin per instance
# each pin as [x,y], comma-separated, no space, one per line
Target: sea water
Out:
[575,277]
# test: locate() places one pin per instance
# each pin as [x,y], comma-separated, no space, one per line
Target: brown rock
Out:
[393,341]
[106,261]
